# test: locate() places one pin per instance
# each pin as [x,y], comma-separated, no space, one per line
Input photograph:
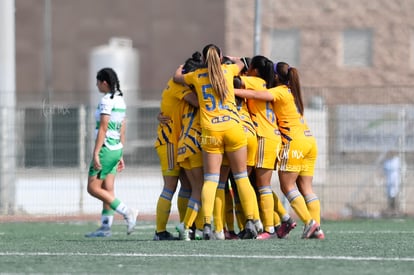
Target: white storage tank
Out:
[120,55]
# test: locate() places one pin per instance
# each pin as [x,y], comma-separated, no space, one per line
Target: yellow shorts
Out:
[167,154]
[251,149]
[299,155]
[193,161]
[267,151]
[218,142]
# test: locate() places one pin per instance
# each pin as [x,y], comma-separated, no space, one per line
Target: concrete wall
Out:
[167,32]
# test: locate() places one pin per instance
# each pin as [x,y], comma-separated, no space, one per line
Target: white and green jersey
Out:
[116,108]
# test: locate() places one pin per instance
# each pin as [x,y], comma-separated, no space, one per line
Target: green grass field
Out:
[350,247]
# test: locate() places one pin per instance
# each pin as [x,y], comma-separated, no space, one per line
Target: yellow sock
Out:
[314,207]
[219,204]
[266,208]
[182,202]
[247,195]
[279,210]
[208,195]
[163,209]
[191,213]
[199,221]
[298,204]
[229,210]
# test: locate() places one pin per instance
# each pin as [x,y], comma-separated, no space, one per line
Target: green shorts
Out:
[109,162]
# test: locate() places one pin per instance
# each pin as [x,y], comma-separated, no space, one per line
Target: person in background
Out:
[107,154]
[175,99]
[222,132]
[392,172]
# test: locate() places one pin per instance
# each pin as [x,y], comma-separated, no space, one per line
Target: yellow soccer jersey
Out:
[292,124]
[215,114]
[261,112]
[189,141]
[172,105]
[245,115]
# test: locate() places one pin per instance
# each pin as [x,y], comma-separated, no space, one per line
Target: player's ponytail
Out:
[212,55]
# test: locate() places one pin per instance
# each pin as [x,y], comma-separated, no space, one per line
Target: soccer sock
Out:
[314,207]
[163,209]
[191,213]
[229,208]
[208,195]
[298,204]
[266,208]
[119,207]
[279,208]
[219,204]
[238,210]
[182,202]
[107,217]
[247,195]
[199,221]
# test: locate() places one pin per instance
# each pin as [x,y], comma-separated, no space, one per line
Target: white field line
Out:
[144,255]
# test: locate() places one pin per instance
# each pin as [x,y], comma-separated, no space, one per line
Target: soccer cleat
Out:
[186,235]
[219,236]
[240,235]
[266,236]
[309,229]
[318,234]
[180,229]
[131,219]
[207,232]
[198,235]
[283,230]
[259,226]
[164,236]
[250,230]
[102,231]
[231,235]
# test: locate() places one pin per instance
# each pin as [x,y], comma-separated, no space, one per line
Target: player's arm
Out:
[178,75]
[237,61]
[252,94]
[192,99]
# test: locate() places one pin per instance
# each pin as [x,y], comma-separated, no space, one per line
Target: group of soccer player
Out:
[226,124]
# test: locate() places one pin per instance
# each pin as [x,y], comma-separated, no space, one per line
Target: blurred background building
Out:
[355,58]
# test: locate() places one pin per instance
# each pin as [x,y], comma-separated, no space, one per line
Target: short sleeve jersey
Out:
[215,114]
[189,141]
[172,105]
[261,112]
[292,124]
[116,108]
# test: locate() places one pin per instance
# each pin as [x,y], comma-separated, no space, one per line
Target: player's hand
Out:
[97,163]
[163,119]
[121,165]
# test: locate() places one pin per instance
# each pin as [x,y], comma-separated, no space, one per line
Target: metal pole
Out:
[48,142]
[83,116]
[257,27]
[7,107]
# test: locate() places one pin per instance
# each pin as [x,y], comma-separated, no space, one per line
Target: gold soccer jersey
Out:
[172,105]
[216,114]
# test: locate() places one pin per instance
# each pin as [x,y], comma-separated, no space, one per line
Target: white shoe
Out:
[219,235]
[259,226]
[186,235]
[131,219]
[180,229]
